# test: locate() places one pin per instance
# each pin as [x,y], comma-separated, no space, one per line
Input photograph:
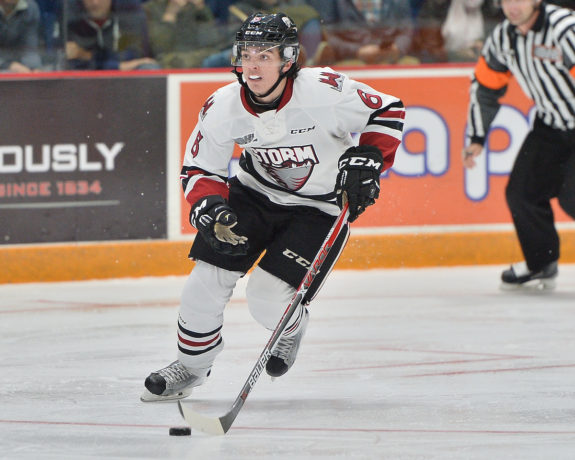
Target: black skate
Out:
[172,382]
[519,276]
[285,351]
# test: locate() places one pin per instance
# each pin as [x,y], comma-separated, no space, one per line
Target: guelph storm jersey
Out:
[542,61]
[289,154]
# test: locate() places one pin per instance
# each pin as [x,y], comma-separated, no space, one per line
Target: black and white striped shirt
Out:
[542,61]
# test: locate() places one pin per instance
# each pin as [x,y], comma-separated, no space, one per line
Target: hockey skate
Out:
[285,351]
[172,382]
[519,276]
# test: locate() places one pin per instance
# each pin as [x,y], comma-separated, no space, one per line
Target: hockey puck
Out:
[180,431]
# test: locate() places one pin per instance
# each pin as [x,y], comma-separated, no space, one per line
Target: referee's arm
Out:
[488,85]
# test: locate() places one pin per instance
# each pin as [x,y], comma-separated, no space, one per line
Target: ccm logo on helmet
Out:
[360,161]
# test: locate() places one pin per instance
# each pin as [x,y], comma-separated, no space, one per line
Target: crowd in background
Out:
[48,35]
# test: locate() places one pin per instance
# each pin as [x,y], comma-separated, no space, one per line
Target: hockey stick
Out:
[221,425]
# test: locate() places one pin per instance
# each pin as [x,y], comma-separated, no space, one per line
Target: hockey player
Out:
[536,44]
[298,165]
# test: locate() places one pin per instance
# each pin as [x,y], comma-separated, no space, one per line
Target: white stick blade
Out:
[209,425]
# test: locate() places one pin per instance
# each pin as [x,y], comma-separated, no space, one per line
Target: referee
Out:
[535,44]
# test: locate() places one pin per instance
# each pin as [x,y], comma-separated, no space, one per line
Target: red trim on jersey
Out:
[286,96]
[387,144]
[204,187]
[393,113]
[191,343]
[245,102]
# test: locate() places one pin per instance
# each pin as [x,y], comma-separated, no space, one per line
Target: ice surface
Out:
[396,364]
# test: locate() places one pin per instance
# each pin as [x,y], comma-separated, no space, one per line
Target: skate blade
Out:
[530,286]
[148,397]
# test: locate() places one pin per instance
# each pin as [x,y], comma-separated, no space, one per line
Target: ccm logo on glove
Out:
[360,161]
[358,178]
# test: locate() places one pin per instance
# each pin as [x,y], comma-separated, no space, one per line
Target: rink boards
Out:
[89,176]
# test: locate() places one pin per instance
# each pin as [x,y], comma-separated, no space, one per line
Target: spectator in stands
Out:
[307,20]
[463,30]
[336,11]
[428,43]
[19,23]
[50,13]
[415,6]
[365,32]
[108,35]
[220,9]
[182,32]
[453,30]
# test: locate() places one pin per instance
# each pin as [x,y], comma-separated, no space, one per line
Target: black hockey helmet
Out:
[267,31]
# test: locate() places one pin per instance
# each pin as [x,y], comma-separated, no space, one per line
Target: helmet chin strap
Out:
[253,95]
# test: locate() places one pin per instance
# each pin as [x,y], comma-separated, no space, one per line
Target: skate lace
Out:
[175,373]
[284,347]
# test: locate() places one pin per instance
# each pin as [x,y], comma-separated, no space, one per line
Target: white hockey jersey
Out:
[290,154]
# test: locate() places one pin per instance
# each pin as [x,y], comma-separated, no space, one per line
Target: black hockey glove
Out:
[358,178]
[214,220]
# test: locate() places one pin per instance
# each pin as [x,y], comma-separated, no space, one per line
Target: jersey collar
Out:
[286,97]
[538,25]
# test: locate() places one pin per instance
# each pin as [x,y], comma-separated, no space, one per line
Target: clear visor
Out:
[262,53]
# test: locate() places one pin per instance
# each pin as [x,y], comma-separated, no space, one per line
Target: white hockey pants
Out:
[207,291]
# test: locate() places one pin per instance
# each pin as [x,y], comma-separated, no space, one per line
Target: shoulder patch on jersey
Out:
[209,102]
[247,139]
[334,79]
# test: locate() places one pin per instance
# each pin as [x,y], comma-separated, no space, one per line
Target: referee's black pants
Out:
[544,169]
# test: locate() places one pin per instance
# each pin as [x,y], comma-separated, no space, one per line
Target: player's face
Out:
[261,68]
[520,12]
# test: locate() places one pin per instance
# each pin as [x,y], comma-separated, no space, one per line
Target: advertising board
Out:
[427,189]
[82,160]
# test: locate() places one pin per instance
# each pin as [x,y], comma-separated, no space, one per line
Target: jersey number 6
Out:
[373,101]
